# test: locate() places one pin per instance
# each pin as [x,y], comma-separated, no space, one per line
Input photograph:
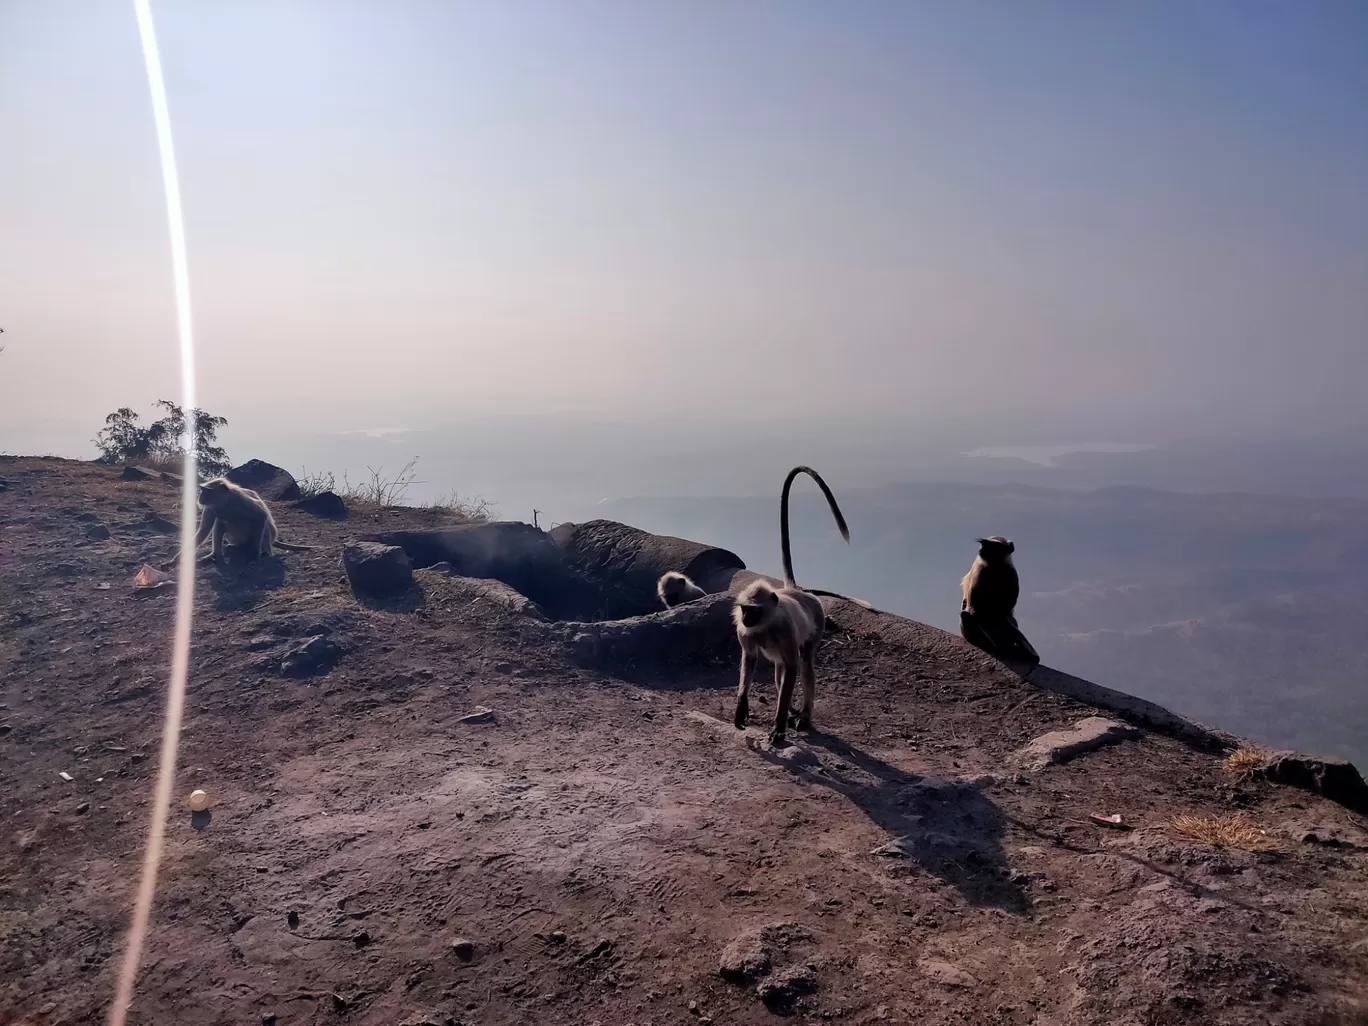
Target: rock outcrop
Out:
[267,480]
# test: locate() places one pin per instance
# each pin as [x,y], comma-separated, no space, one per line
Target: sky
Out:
[1150,218]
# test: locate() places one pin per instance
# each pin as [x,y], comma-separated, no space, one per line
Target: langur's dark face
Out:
[754,614]
[211,492]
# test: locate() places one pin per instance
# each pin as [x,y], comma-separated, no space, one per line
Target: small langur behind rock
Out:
[675,588]
[783,624]
[987,610]
[241,517]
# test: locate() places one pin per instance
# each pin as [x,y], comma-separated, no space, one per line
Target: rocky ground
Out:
[593,850]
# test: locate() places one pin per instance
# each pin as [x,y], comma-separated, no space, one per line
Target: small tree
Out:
[124,440]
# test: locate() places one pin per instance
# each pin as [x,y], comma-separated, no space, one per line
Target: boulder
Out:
[698,633]
[377,569]
[495,592]
[328,505]
[1062,745]
[627,563]
[268,481]
[1335,779]
[520,555]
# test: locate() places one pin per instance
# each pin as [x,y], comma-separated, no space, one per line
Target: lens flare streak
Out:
[185,584]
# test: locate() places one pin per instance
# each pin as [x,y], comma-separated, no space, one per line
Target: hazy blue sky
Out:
[401,211]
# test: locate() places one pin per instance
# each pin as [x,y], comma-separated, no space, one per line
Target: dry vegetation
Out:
[391,492]
[1243,763]
[1224,831]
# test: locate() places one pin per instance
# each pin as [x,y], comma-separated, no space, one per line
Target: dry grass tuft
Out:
[475,511]
[1243,763]
[313,485]
[1230,831]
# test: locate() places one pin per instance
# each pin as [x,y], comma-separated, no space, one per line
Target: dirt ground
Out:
[596,851]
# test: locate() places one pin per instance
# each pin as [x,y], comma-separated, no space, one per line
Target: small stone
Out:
[744,959]
[946,974]
[361,940]
[480,714]
[83,808]
[557,937]
[292,918]
[97,532]
[693,1007]
[781,991]
[268,1019]
[316,655]
[1061,746]
[260,642]
[463,948]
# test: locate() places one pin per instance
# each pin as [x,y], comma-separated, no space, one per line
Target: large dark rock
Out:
[695,634]
[138,474]
[627,563]
[520,555]
[1336,779]
[268,481]
[328,505]
[377,569]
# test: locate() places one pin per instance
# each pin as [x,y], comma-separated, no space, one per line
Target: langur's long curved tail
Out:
[784,516]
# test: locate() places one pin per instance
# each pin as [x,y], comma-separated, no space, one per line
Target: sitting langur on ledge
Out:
[783,624]
[987,611]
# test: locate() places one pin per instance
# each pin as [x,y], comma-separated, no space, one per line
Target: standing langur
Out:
[784,624]
[239,516]
[989,596]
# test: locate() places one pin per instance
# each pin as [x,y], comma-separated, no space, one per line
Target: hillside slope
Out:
[598,850]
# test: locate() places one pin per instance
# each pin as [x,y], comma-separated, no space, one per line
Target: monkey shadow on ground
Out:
[947,828]
[240,583]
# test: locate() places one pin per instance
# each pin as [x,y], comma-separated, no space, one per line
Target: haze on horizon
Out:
[1126,222]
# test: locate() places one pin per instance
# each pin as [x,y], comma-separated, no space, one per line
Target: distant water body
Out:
[1046,455]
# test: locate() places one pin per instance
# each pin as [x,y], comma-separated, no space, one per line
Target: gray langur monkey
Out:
[988,605]
[239,516]
[675,588]
[785,625]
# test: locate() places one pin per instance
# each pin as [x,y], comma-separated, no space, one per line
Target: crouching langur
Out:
[675,588]
[239,516]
